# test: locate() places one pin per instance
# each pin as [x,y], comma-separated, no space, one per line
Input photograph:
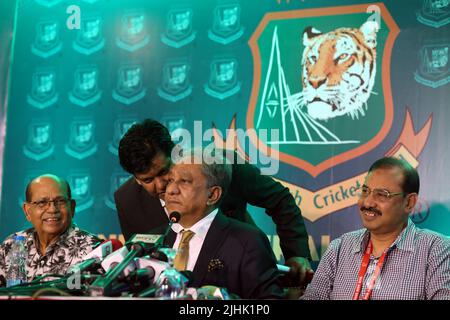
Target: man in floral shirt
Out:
[54,243]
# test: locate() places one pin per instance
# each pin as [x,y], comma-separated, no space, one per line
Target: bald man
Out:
[54,243]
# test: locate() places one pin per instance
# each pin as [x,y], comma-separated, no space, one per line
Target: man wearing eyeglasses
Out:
[53,243]
[390,259]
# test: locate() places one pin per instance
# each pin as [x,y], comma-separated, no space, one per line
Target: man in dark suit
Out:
[220,251]
[145,152]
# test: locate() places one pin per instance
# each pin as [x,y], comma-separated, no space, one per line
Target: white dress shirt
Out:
[195,245]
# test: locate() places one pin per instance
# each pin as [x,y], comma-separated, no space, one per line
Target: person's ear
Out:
[27,210]
[411,201]
[214,195]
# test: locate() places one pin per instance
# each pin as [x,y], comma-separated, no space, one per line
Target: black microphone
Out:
[134,276]
[103,286]
[174,217]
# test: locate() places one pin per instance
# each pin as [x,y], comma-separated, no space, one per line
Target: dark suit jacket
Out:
[247,263]
[139,212]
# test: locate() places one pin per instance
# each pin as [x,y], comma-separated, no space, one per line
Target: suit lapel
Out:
[170,239]
[213,241]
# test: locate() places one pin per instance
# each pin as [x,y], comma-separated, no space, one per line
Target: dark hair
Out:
[28,194]
[411,182]
[141,143]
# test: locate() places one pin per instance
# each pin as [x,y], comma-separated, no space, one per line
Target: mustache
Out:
[374,210]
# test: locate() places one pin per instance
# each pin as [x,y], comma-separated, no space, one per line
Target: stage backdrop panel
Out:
[380,88]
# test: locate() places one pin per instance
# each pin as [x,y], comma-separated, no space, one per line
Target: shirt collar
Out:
[62,238]
[404,241]
[201,227]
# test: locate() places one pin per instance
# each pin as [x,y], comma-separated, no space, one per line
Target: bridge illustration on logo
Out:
[277,96]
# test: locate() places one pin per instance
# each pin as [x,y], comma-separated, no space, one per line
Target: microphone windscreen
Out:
[175,216]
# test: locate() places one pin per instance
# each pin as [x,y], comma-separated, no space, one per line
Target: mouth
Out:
[52,220]
[370,213]
[172,202]
[332,105]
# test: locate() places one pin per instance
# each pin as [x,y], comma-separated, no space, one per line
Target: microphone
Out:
[174,217]
[147,274]
[111,261]
[283,269]
[91,261]
[188,277]
[157,265]
[122,261]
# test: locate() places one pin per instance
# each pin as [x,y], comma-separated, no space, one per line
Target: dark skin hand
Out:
[300,274]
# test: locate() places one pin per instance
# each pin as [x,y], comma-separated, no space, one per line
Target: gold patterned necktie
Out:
[181,259]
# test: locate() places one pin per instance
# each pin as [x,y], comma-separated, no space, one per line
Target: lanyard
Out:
[363,270]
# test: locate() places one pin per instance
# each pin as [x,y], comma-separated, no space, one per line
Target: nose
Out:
[369,201]
[172,188]
[52,206]
[316,82]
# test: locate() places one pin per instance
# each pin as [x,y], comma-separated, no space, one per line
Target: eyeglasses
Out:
[45,204]
[381,195]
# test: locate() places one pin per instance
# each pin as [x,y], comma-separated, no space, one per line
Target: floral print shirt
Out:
[68,250]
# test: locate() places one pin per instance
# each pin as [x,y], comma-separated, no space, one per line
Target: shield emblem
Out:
[89,37]
[121,126]
[85,90]
[47,3]
[43,93]
[82,140]
[223,82]
[80,184]
[434,13]
[129,85]
[133,33]
[172,123]
[47,42]
[175,83]
[434,69]
[321,121]
[117,179]
[178,28]
[39,142]
[226,24]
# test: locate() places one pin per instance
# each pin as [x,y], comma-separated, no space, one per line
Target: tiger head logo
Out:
[338,71]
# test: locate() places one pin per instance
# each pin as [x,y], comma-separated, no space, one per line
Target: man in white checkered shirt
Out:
[390,259]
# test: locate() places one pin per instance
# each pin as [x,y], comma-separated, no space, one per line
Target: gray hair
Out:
[215,166]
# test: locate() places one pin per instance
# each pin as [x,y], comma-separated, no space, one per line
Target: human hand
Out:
[300,273]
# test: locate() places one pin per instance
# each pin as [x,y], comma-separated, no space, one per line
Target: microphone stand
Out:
[103,286]
[174,217]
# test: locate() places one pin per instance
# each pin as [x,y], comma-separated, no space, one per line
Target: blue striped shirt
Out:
[417,267]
